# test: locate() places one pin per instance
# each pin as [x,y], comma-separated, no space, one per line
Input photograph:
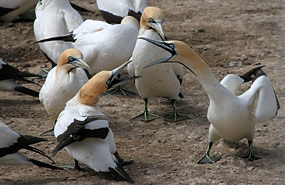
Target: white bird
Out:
[114,11]
[13,9]
[104,46]
[232,117]
[159,81]
[55,18]
[9,73]
[63,82]
[10,144]
[84,131]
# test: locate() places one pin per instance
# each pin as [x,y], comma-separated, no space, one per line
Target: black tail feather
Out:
[67,38]
[79,8]
[27,91]
[248,76]
[45,165]
[120,174]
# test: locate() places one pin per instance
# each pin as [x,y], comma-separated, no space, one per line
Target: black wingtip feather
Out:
[27,91]
[118,174]
[67,38]
[45,165]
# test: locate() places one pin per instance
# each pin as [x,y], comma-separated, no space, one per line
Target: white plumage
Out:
[55,18]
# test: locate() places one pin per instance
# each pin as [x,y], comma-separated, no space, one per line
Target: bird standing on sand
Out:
[159,81]
[55,18]
[113,11]
[232,117]
[10,144]
[9,73]
[84,130]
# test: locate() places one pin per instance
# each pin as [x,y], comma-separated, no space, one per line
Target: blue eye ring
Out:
[171,46]
[70,59]
[150,20]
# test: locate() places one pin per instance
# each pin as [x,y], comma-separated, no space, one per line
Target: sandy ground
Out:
[221,31]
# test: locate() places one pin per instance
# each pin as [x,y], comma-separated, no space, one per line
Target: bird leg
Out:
[121,161]
[250,155]
[76,167]
[146,115]
[206,158]
[120,90]
[175,116]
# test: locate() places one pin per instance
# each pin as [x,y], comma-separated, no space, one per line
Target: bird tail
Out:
[67,38]
[45,165]
[118,174]
[27,91]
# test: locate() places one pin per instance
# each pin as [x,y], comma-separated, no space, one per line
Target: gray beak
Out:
[158,27]
[115,79]
[79,63]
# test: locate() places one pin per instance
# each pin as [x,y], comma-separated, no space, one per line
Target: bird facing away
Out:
[63,82]
[104,46]
[114,11]
[9,73]
[10,144]
[84,130]
[232,117]
[158,81]
[14,9]
[55,18]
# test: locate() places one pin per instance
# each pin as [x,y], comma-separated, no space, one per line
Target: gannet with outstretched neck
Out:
[232,117]
[84,130]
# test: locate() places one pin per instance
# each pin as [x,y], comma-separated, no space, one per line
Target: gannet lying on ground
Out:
[232,117]
[158,81]
[10,144]
[9,73]
[115,11]
[84,130]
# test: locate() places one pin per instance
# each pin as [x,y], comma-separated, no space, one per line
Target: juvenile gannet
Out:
[9,73]
[232,117]
[84,130]
[55,18]
[104,46]
[63,82]
[115,11]
[10,144]
[159,81]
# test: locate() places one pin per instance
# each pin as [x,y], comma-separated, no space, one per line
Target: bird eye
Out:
[70,59]
[108,82]
[171,46]
[150,20]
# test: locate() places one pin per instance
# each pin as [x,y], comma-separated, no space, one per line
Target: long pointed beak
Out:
[79,63]
[115,79]
[158,27]
[162,45]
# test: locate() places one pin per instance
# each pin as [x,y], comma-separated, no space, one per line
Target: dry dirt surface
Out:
[249,32]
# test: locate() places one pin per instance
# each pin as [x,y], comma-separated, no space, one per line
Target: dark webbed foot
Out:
[121,91]
[121,161]
[250,155]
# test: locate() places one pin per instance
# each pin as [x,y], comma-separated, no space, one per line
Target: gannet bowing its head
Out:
[63,82]
[84,130]
[10,144]
[9,73]
[232,117]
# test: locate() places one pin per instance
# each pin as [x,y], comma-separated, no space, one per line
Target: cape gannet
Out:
[104,46]
[114,11]
[84,130]
[63,82]
[9,73]
[232,117]
[159,81]
[10,144]
[55,18]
